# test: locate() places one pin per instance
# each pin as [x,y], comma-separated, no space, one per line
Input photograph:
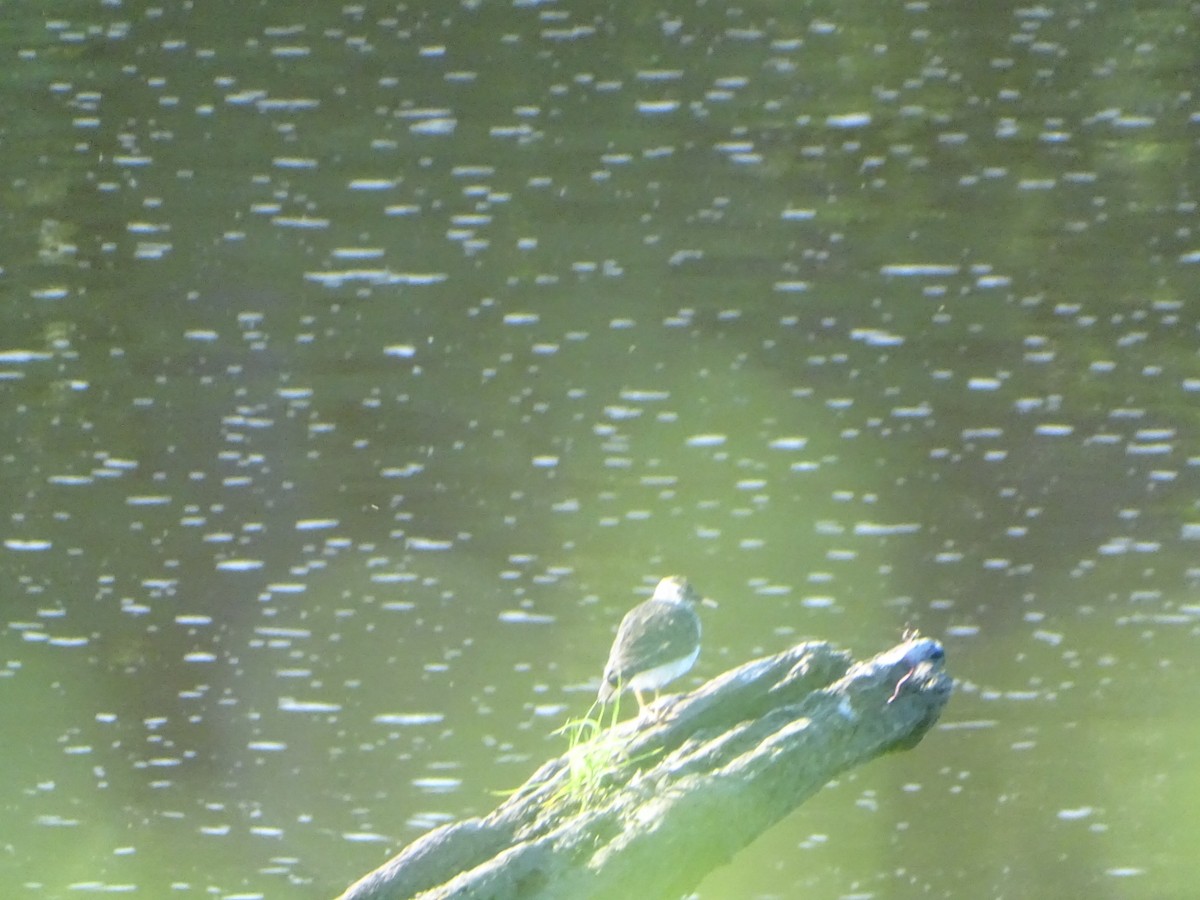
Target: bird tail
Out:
[607,692]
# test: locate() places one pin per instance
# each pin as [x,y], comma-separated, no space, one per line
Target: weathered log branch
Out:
[695,783]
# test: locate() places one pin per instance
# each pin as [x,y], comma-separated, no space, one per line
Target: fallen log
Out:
[693,781]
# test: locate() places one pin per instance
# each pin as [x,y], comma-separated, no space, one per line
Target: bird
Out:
[657,641]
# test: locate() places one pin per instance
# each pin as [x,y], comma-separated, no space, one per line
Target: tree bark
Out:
[694,781]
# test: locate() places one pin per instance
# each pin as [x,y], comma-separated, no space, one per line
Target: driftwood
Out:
[685,787]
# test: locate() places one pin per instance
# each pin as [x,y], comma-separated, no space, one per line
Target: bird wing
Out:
[651,635]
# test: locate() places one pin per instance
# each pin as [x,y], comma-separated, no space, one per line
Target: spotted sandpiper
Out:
[657,642]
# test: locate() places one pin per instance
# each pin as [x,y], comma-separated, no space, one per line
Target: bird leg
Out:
[646,708]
